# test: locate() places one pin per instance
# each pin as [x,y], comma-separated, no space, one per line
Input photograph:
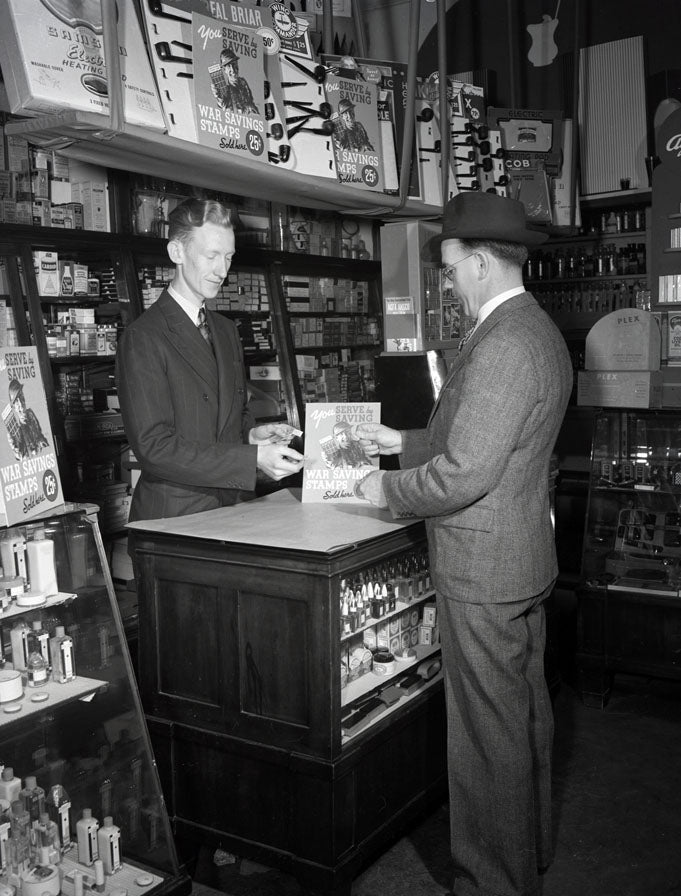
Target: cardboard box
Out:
[620,388]
[49,67]
[47,273]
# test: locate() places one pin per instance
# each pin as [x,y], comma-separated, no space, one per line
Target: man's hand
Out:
[271,433]
[379,439]
[278,460]
[371,487]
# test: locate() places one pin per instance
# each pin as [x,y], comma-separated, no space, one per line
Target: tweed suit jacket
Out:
[185,412]
[478,473]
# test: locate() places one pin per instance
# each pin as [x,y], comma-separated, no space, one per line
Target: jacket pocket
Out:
[478,518]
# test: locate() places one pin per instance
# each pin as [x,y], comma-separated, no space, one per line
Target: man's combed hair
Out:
[511,253]
[194,213]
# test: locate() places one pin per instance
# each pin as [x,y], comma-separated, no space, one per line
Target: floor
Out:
[617,810]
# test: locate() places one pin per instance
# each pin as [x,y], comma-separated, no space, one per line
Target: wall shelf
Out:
[88,137]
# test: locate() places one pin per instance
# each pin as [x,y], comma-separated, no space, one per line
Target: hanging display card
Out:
[169,33]
[334,457]
[28,462]
[53,60]
[356,136]
[229,77]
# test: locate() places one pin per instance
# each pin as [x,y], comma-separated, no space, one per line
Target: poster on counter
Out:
[334,457]
[31,486]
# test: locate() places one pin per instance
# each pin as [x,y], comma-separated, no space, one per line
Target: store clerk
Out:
[182,384]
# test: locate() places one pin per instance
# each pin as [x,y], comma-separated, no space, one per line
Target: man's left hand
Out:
[271,433]
[371,489]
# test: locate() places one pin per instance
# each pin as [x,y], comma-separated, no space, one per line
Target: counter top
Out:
[281,520]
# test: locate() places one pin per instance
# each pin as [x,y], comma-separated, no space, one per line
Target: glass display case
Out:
[629,604]
[81,806]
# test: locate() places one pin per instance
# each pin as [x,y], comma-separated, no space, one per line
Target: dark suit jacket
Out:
[479,472]
[185,412]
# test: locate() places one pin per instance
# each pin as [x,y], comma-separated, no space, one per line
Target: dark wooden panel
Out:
[274,651]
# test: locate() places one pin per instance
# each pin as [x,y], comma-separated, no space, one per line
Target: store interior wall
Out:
[493,35]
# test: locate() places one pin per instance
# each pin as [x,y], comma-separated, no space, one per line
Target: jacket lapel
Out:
[508,307]
[188,341]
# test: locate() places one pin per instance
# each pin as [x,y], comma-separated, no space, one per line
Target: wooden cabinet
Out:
[240,651]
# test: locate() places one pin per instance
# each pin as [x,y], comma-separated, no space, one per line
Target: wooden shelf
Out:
[88,136]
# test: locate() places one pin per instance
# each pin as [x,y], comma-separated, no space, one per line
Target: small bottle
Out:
[58,807]
[42,570]
[20,840]
[10,785]
[39,639]
[37,671]
[48,833]
[33,798]
[109,844]
[62,656]
[19,645]
[86,830]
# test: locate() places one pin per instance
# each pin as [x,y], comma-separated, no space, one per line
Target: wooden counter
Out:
[239,666]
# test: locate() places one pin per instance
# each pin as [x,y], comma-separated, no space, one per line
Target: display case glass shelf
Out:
[629,602]
[70,716]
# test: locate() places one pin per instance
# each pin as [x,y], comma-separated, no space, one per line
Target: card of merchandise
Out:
[54,60]
[410,683]
[391,695]
[360,717]
[173,52]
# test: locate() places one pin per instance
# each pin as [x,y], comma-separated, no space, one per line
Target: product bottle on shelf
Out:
[37,672]
[32,797]
[10,785]
[39,639]
[62,656]
[58,807]
[48,833]
[42,570]
[19,841]
[109,843]
[19,644]
[86,830]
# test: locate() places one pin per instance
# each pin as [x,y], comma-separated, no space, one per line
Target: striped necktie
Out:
[203,328]
[467,336]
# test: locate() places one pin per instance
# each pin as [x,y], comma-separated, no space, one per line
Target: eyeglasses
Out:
[448,269]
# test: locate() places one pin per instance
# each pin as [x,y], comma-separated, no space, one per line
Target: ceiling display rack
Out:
[110,141]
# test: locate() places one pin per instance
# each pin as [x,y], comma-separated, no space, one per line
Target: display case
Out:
[80,799]
[293,722]
[629,603]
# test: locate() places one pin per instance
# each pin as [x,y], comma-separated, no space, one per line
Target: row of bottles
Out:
[606,260]
[29,573]
[374,592]
[35,832]
[624,220]
[41,654]
[594,298]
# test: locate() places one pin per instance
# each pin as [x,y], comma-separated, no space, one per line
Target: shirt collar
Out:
[489,307]
[189,308]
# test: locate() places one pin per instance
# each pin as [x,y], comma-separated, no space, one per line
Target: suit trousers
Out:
[500,739]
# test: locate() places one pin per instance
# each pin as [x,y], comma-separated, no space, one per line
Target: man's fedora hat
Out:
[485,216]
[345,105]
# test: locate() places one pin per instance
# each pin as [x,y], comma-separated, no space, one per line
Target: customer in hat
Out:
[347,131]
[479,475]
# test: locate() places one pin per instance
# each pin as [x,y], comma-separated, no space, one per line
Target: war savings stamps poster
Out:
[229,76]
[28,463]
[356,135]
[334,457]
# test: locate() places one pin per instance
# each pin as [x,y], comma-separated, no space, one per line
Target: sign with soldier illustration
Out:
[28,462]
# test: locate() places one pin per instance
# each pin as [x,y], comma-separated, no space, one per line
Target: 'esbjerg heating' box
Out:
[54,55]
